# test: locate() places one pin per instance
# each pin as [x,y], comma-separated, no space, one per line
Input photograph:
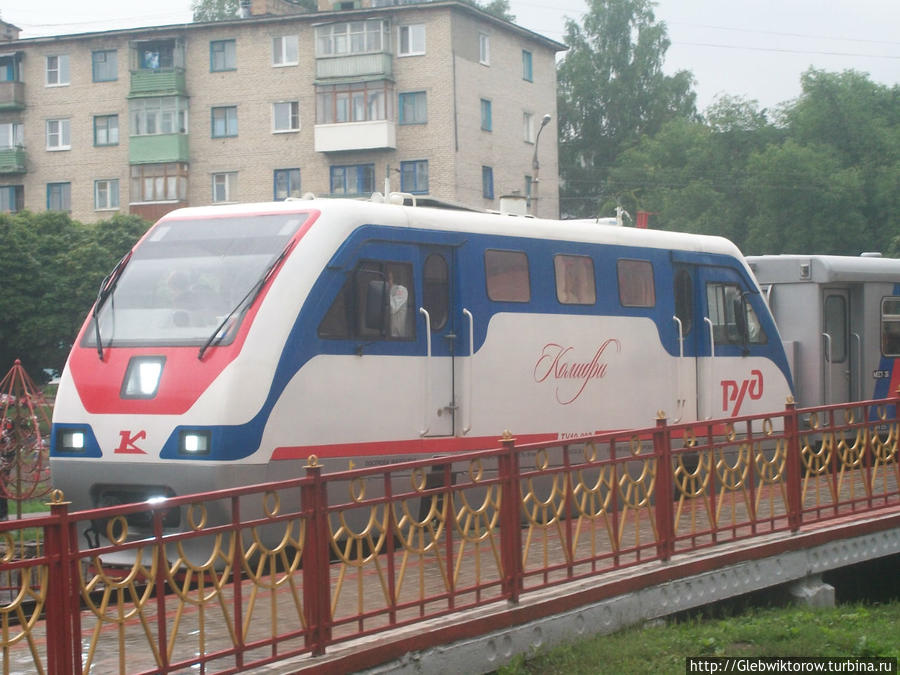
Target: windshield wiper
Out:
[247,300]
[107,286]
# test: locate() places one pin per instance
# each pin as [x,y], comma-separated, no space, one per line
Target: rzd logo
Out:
[127,444]
[732,392]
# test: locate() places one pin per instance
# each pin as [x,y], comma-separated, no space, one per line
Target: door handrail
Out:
[467,409]
[426,417]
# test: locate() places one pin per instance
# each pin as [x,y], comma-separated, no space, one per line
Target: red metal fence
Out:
[221,582]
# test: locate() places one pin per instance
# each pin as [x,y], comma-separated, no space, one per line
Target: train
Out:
[233,342]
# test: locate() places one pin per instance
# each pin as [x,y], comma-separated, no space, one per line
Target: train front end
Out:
[165,390]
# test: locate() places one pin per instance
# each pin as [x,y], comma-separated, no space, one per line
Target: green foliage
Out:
[845,631]
[52,271]
[214,10]
[612,92]
[499,8]
[820,177]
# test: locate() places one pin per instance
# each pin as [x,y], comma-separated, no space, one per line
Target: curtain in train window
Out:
[507,276]
[575,280]
[636,283]
[890,326]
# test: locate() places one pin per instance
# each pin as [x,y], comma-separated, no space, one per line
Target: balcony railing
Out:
[158,149]
[379,64]
[12,160]
[160,82]
[374,135]
[12,95]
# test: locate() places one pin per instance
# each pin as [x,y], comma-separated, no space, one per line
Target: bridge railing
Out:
[228,580]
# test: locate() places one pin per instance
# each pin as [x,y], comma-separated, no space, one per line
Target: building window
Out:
[59,134]
[224,121]
[528,127]
[356,37]
[357,179]
[159,182]
[411,40]
[507,276]
[224,187]
[484,49]
[12,135]
[486,122]
[487,182]
[287,184]
[12,198]
[11,67]
[166,115]
[222,55]
[106,194]
[58,70]
[528,185]
[360,102]
[106,130]
[156,55]
[412,108]
[285,50]
[286,116]
[59,196]
[414,176]
[105,65]
[527,71]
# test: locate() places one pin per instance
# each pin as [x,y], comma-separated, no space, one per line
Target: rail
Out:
[224,581]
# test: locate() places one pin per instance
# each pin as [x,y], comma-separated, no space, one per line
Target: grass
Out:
[857,630]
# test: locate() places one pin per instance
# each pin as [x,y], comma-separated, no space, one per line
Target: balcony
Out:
[349,67]
[158,149]
[376,135]
[158,82]
[12,95]
[12,160]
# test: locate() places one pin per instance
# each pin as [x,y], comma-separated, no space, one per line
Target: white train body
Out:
[386,332]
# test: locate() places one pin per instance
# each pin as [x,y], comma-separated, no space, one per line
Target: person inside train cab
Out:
[398,300]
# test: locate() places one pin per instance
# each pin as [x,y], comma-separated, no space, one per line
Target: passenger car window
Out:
[890,326]
[507,276]
[575,280]
[636,283]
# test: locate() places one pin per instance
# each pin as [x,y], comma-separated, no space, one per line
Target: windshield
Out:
[187,276]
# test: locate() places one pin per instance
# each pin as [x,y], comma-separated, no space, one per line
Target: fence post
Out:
[316,565]
[62,607]
[665,514]
[510,522]
[793,465]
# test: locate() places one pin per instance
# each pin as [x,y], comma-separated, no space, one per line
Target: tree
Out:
[499,8]
[215,10]
[52,270]
[612,92]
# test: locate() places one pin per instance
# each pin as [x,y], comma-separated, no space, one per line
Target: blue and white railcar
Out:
[235,341]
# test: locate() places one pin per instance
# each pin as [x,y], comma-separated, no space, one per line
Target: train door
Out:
[838,341]
[686,330]
[440,318]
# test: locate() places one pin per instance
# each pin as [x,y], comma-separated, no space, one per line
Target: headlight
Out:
[142,376]
[194,443]
[70,441]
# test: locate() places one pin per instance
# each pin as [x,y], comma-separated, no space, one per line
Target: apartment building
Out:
[437,99]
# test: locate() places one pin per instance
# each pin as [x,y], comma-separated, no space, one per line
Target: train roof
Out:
[354,213]
[823,269]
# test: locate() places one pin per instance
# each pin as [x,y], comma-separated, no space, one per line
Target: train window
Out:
[507,276]
[376,303]
[734,320]
[575,280]
[436,290]
[636,287]
[836,328]
[684,300]
[890,326]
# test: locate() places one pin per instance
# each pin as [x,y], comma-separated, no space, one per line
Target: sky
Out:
[754,49]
